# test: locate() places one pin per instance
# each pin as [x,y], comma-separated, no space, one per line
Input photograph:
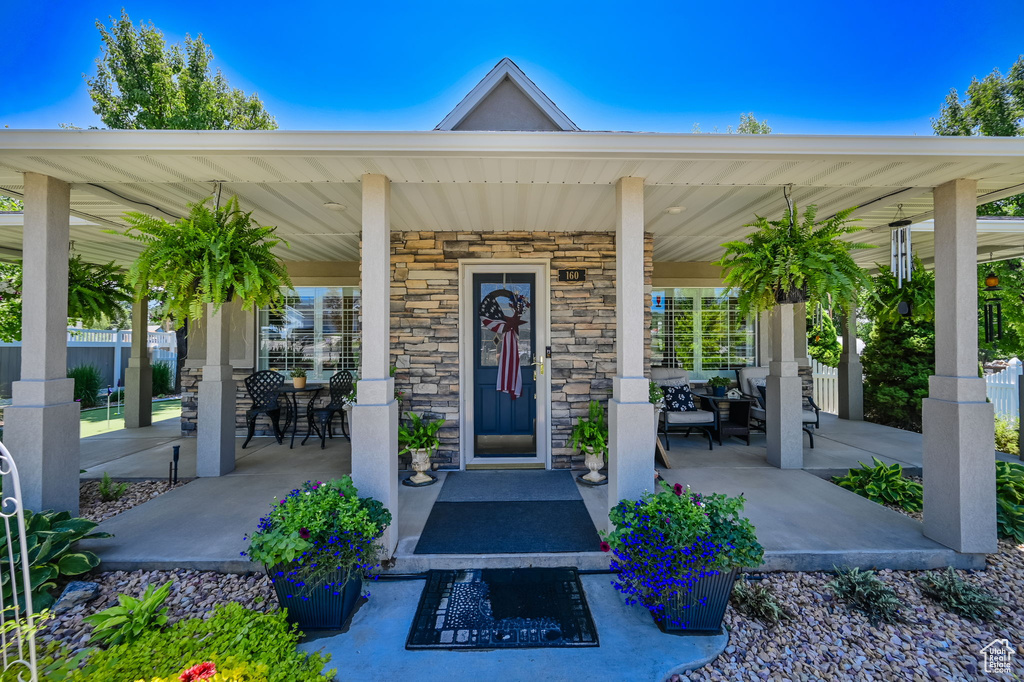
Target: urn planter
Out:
[701,610]
[324,604]
[421,465]
[593,461]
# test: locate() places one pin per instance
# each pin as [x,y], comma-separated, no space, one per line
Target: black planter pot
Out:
[791,296]
[314,606]
[700,618]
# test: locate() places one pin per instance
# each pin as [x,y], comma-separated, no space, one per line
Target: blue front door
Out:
[504,426]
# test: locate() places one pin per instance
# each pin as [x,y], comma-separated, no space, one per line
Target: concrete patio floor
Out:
[804,522]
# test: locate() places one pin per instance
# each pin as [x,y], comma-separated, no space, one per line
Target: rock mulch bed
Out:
[194,593]
[825,641]
[92,507]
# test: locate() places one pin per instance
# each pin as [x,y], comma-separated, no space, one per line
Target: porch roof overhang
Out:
[507,181]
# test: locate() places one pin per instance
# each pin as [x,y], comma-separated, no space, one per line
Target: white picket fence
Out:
[826,386]
[1001,388]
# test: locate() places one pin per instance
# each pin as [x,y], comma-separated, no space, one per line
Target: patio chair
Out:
[320,418]
[262,388]
[750,378]
[808,417]
[706,419]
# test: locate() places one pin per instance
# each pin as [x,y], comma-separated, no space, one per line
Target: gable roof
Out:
[481,109]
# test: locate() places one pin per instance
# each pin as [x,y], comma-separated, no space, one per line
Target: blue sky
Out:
[807,67]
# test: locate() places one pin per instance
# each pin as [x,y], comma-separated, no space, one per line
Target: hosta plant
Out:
[214,254]
[1010,500]
[132,617]
[883,483]
[49,540]
[793,260]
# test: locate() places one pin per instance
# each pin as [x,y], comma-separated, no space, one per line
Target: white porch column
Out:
[375,415]
[800,335]
[784,401]
[215,423]
[764,338]
[41,425]
[138,378]
[630,413]
[851,372]
[959,482]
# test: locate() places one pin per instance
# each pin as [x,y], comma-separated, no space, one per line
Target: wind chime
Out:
[992,308]
[901,255]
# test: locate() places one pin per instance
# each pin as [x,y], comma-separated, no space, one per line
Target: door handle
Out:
[538,362]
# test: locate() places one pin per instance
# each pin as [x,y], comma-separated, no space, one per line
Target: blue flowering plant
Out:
[320,536]
[663,544]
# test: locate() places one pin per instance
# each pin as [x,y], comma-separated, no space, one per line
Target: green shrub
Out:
[1010,500]
[823,339]
[863,591]
[1006,436]
[110,492]
[49,540]
[55,661]
[884,484]
[131,618]
[232,636]
[758,600]
[163,378]
[959,596]
[88,383]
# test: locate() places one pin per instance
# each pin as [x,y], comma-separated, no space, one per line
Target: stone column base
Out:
[374,431]
[785,437]
[44,442]
[630,448]
[215,427]
[959,477]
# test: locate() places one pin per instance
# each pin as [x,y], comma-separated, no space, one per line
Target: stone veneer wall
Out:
[190,377]
[425,325]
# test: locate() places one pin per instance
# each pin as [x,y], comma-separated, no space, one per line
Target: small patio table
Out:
[738,421]
[290,393]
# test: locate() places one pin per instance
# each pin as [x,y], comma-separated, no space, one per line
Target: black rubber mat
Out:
[508,527]
[506,608]
[508,486]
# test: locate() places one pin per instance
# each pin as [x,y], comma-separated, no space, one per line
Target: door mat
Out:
[508,528]
[508,486]
[506,608]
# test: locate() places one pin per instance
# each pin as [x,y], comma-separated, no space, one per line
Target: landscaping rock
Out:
[92,506]
[77,592]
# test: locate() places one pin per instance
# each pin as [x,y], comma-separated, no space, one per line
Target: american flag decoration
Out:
[493,318]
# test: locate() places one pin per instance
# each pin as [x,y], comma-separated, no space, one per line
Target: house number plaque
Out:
[575,275]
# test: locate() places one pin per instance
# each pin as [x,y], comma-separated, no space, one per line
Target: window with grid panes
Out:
[316,329]
[700,330]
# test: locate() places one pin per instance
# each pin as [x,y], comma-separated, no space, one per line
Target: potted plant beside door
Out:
[590,436]
[677,553]
[419,438]
[298,378]
[317,544]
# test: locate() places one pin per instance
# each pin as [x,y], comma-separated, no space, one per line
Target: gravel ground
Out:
[93,508]
[194,593]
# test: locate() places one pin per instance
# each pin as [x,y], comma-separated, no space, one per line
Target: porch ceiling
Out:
[500,181]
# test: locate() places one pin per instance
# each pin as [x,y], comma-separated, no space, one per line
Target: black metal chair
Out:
[262,388]
[705,419]
[320,418]
[808,418]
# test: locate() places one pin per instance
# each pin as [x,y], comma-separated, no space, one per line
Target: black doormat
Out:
[508,486]
[506,608]
[508,527]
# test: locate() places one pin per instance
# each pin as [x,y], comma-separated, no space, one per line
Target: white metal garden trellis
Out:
[17,635]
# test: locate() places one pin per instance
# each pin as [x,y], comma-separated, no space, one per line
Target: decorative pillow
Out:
[760,381]
[678,399]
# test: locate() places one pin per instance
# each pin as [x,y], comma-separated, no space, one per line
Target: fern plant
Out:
[211,256]
[591,431]
[882,297]
[792,261]
[959,596]
[863,591]
[420,434]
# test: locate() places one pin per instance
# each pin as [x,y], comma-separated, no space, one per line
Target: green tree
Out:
[823,340]
[994,106]
[10,204]
[1011,279]
[749,125]
[140,82]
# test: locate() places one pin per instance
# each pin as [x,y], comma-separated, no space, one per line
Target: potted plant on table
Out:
[677,553]
[420,439]
[718,385]
[298,378]
[590,436]
[317,544]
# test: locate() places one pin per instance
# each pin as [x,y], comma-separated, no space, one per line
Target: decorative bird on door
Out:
[506,329]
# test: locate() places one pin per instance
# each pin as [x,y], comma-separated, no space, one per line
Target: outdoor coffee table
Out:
[290,393]
[738,421]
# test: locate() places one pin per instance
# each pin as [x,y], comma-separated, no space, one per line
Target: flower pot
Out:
[702,609]
[299,382]
[792,295]
[324,604]
[594,462]
[718,391]
[421,465]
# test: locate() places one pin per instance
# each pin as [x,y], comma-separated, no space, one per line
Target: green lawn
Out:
[95,421]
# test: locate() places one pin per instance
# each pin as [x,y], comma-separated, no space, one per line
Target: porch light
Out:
[335,206]
[992,309]
[675,210]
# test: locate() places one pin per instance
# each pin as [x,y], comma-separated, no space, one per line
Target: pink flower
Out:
[605,547]
[201,671]
[677,489]
[304,533]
